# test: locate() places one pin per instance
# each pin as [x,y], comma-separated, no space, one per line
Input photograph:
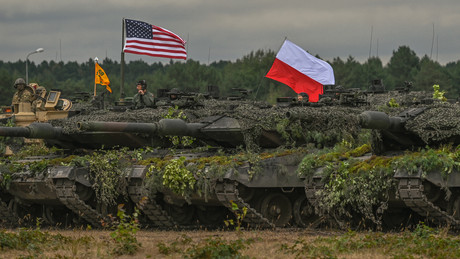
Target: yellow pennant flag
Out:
[101,78]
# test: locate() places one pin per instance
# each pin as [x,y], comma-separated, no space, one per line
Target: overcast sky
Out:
[215,30]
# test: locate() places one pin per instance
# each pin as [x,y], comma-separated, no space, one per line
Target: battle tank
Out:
[237,161]
[432,192]
[412,174]
[245,154]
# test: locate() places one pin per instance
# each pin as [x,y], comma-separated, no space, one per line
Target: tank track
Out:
[310,190]
[411,191]
[8,216]
[66,193]
[227,193]
[153,211]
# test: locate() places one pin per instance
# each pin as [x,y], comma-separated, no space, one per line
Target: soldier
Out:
[302,99]
[174,94]
[176,98]
[143,98]
[39,103]
[24,93]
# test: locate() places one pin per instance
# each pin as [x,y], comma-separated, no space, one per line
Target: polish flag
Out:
[301,71]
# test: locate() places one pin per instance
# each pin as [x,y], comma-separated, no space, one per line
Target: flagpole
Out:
[122,61]
[95,62]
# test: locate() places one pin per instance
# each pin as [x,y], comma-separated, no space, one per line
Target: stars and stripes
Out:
[146,39]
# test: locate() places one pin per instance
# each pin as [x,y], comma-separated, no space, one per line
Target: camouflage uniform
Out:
[142,101]
[24,93]
[39,101]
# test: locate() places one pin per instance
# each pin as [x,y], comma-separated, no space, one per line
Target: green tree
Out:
[247,72]
[431,73]
[354,77]
[7,90]
[453,69]
[373,68]
[403,66]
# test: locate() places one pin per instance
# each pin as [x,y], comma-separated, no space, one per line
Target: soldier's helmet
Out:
[143,84]
[40,90]
[174,93]
[19,81]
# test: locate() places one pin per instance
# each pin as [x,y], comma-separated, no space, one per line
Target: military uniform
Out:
[142,101]
[39,101]
[24,93]
[23,96]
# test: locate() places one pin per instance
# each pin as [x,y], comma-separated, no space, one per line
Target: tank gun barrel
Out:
[34,130]
[293,115]
[175,127]
[381,121]
[213,130]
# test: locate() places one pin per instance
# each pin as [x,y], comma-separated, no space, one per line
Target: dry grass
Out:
[267,243]
[283,243]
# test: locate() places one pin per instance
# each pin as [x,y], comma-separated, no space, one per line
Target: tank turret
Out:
[392,132]
[221,130]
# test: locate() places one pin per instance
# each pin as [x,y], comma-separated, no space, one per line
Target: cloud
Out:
[215,30]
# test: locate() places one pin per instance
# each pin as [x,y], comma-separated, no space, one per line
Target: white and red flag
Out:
[146,39]
[301,71]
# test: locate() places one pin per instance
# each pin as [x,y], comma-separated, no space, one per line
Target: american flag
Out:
[146,39]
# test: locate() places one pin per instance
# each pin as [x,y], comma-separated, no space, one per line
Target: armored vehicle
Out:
[411,176]
[242,157]
[46,106]
[179,166]
[432,192]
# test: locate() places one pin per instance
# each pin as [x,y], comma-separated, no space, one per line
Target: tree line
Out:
[247,72]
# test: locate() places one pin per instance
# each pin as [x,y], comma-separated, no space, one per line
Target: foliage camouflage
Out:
[358,184]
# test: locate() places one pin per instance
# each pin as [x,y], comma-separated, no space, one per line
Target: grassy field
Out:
[423,242]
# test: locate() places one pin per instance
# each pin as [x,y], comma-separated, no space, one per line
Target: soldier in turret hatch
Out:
[143,98]
[302,99]
[176,98]
[24,93]
[174,94]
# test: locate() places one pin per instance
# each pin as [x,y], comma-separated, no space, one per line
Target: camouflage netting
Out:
[333,123]
[440,123]
[324,125]
[401,98]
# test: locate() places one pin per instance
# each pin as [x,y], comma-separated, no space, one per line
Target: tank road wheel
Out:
[212,215]
[454,206]
[304,212]
[246,193]
[84,192]
[183,215]
[277,208]
[432,192]
[26,214]
[398,219]
[57,215]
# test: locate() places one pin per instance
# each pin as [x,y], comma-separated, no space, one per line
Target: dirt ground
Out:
[267,243]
